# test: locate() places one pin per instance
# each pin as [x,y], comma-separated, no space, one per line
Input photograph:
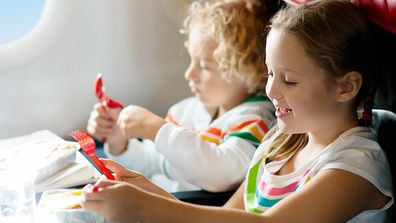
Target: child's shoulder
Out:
[358,137]
[356,148]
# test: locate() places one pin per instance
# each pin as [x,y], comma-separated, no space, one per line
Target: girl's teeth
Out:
[286,110]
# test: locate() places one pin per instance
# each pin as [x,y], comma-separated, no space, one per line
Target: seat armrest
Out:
[204,197]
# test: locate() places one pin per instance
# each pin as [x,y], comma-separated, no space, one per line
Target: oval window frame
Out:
[55,16]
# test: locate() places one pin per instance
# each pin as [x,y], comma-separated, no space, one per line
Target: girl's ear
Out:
[349,86]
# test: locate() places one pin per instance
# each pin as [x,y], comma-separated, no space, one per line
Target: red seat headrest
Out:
[381,12]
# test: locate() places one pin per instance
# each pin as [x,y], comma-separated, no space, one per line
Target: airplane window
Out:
[18,17]
[28,28]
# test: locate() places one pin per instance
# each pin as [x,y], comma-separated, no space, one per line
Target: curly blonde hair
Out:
[238,29]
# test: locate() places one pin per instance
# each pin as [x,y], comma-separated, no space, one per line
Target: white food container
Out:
[50,209]
[46,157]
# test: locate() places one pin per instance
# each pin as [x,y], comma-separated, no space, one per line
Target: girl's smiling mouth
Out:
[280,112]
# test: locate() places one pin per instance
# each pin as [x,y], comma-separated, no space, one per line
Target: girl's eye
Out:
[269,75]
[290,83]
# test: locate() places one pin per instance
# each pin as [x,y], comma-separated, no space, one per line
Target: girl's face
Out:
[303,94]
[205,78]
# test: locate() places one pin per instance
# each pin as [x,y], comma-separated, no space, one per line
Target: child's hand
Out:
[116,201]
[138,122]
[123,174]
[102,124]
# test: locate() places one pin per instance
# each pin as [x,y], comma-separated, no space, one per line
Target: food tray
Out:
[44,156]
[55,206]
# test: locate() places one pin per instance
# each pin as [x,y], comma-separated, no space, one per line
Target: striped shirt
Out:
[353,151]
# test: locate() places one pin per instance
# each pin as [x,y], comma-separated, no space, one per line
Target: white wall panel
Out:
[134,43]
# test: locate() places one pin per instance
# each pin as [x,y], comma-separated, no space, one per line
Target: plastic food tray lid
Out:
[46,157]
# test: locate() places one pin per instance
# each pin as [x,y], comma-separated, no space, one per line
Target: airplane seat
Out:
[382,14]
[384,122]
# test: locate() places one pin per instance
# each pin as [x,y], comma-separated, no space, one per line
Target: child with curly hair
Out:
[207,141]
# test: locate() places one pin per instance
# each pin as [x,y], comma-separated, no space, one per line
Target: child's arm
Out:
[210,166]
[123,174]
[332,196]
[236,201]
[185,154]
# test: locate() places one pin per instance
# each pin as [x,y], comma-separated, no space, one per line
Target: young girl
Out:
[201,136]
[319,164]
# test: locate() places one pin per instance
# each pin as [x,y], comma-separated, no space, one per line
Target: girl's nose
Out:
[272,89]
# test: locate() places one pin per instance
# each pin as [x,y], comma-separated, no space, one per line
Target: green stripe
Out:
[257,98]
[251,188]
[256,211]
[245,135]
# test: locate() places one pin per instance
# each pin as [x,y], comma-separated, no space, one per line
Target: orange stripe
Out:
[259,122]
[214,131]
[256,132]
[241,125]
[262,125]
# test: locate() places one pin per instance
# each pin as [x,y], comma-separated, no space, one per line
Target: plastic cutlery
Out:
[102,96]
[87,144]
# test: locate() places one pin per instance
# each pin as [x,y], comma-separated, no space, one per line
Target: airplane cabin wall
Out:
[135,44]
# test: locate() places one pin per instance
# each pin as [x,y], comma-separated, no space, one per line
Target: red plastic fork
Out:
[101,94]
[87,144]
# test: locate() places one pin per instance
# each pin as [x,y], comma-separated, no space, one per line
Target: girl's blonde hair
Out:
[238,29]
[335,35]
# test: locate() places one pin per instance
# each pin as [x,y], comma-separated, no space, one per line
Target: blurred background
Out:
[52,50]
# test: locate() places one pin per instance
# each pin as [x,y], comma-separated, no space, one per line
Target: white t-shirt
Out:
[354,151]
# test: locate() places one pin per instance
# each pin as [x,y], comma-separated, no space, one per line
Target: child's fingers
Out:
[105,183]
[121,172]
[106,112]
[95,206]
[91,192]
[117,168]
[113,165]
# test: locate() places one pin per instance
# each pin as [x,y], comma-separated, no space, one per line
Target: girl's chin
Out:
[287,129]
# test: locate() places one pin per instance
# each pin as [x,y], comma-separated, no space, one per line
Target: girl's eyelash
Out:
[290,83]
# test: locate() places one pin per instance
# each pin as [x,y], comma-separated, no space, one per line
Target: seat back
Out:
[384,122]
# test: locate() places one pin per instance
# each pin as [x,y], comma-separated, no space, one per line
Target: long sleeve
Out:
[202,163]
[212,155]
